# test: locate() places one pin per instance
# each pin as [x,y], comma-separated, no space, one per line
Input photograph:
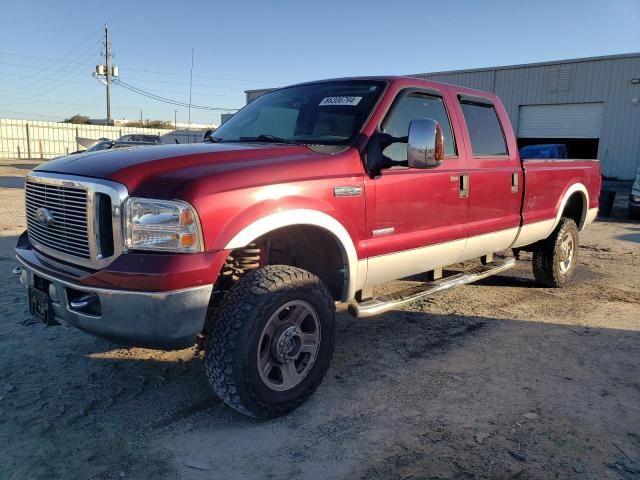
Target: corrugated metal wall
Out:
[52,139]
[605,79]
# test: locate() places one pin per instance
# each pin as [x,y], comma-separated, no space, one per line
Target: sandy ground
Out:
[500,379]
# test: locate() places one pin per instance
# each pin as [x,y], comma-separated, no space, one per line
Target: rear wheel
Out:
[272,341]
[555,260]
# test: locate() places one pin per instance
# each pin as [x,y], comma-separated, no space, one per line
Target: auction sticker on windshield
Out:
[350,101]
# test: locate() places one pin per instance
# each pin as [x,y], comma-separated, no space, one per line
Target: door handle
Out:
[514,182]
[464,186]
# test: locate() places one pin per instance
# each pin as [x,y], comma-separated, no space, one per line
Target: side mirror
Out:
[425,143]
[207,134]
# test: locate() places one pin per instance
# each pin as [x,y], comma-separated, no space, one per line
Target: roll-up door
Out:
[566,120]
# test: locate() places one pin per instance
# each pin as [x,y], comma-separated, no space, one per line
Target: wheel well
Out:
[307,247]
[575,209]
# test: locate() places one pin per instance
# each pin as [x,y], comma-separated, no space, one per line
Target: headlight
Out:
[635,198]
[166,225]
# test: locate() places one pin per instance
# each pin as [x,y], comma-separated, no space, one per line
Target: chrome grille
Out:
[69,233]
[86,228]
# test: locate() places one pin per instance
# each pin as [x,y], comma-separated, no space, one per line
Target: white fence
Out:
[33,139]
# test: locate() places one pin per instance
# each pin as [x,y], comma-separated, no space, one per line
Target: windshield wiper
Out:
[270,139]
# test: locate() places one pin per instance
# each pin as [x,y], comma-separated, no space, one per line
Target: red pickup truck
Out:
[309,196]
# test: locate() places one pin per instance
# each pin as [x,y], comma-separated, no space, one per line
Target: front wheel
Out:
[272,341]
[555,260]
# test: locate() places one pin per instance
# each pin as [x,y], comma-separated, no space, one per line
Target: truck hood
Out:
[166,168]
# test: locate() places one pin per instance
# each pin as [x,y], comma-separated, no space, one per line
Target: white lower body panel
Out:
[392,266]
[592,213]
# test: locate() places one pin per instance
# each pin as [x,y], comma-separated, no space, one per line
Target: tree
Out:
[149,124]
[77,118]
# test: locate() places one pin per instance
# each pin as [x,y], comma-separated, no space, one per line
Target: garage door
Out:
[566,120]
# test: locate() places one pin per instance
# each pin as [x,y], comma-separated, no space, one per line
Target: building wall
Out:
[605,79]
[251,95]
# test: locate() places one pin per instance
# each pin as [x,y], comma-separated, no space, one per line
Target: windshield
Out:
[326,113]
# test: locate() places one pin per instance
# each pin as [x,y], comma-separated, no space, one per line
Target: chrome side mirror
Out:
[425,144]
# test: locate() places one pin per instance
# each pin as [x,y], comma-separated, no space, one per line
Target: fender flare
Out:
[576,187]
[315,218]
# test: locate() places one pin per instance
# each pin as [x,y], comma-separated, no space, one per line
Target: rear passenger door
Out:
[495,183]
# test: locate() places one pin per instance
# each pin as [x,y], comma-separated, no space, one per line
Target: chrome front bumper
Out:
[166,320]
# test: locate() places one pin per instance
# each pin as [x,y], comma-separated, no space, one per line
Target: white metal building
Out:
[592,105]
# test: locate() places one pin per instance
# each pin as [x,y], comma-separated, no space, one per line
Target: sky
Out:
[48,50]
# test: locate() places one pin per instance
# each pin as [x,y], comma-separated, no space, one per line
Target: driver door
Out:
[416,218]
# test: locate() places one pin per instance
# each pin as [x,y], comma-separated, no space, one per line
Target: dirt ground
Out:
[499,379]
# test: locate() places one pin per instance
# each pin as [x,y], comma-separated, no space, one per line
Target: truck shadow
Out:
[25,166]
[633,236]
[11,182]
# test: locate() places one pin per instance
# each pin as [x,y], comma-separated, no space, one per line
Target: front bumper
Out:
[166,319]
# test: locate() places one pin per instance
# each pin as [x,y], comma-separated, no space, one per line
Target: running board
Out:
[384,303]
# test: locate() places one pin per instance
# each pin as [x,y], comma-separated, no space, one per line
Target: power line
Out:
[196,93]
[38,67]
[37,57]
[49,102]
[31,76]
[171,101]
[60,82]
[68,54]
[199,76]
[90,65]
[50,82]
[23,113]
[154,72]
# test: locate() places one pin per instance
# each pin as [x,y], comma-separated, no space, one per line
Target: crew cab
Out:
[309,196]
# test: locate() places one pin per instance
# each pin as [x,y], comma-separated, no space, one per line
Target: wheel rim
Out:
[288,345]
[567,253]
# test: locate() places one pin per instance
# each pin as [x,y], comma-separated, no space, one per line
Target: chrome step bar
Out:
[390,301]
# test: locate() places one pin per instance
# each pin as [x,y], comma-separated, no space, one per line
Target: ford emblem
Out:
[44,216]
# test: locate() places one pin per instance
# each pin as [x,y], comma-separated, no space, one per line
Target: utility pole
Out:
[141,124]
[108,72]
[175,119]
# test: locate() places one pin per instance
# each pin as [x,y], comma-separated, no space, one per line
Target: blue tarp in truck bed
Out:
[551,150]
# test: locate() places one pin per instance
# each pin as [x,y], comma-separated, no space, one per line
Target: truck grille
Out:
[75,219]
[68,232]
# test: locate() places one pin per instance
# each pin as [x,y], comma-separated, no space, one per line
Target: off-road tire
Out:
[547,257]
[230,356]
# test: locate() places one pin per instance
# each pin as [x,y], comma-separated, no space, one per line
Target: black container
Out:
[607,199]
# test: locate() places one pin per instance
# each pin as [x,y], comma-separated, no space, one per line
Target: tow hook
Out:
[84,301]
[17,270]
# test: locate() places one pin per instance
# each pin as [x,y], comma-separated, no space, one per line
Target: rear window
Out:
[484,128]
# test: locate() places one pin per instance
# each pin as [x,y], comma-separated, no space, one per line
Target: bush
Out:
[149,124]
[77,118]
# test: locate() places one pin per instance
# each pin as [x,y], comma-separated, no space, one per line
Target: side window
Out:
[484,128]
[410,107]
